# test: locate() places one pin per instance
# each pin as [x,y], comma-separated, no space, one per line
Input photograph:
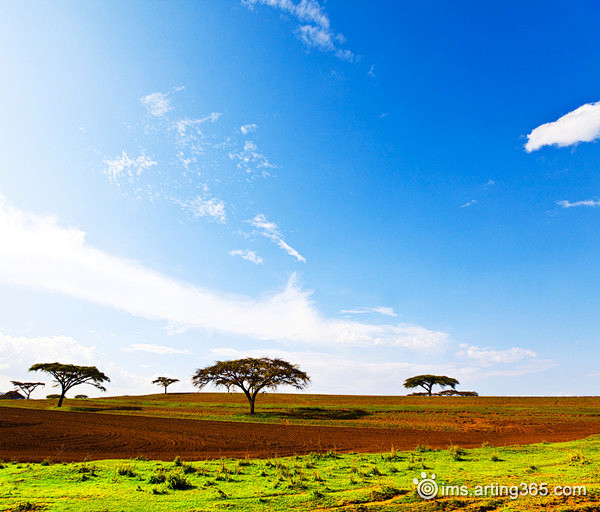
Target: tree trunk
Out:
[252,406]
[165,390]
[60,400]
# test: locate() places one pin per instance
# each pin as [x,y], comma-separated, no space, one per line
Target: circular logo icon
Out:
[427,487]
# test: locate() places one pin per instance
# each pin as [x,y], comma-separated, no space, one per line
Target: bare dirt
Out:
[34,435]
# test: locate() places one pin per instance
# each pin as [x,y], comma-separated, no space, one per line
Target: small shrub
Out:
[188,469]
[178,482]
[126,470]
[158,477]
[53,395]
[177,461]
[160,491]
[495,458]
[578,458]
[422,449]
[45,462]
[456,452]
[141,458]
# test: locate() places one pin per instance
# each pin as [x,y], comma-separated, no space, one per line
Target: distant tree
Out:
[70,375]
[251,376]
[164,381]
[26,387]
[428,381]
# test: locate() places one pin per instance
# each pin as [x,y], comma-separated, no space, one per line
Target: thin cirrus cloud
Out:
[589,203]
[487,355]
[201,206]
[154,349]
[580,125]
[315,26]
[382,310]
[271,231]
[247,255]
[38,253]
[125,166]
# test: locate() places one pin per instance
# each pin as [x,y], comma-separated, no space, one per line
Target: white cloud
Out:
[382,310]
[469,203]
[18,353]
[38,253]
[251,160]
[371,71]
[153,349]
[248,128]
[247,255]
[205,207]
[487,355]
[157,104]
[315,31]
[580,125]
[271,231]
[125,165]
[591,203]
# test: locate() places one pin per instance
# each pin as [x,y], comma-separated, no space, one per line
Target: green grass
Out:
[331,481]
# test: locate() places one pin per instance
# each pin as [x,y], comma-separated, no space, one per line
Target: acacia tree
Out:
[164,381]
[26,387]
[428,381]
[70,375]
[251,376]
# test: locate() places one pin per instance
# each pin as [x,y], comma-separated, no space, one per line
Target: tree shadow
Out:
[99,409]
[318,413]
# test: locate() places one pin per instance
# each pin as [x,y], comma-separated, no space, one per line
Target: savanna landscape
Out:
[203,451]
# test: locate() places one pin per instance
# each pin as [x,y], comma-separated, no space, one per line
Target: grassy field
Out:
[440,413]
[313,482]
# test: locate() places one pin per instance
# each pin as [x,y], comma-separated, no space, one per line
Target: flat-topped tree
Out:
[70,375]
[428,381]
[26,387]
[251,376]
[164,381]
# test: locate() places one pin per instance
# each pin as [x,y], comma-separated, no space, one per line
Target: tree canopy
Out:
[26,387]
[428,381]
[164,381]
[70,375]
[251,375]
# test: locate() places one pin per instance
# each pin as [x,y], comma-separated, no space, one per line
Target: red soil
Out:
[35,435]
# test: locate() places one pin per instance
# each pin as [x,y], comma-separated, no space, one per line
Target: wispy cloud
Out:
[124,165]
[248,128]
[590,203]
[371,71]
[202,206]
[154,349]
[488,355]
[469,203]
[580,125]
[271,231]
[382,310]
[247,255]
[157,104]
[38,253]
[251,160]
[315,26]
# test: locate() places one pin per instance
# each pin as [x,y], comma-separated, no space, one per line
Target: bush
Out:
[178,482]
[157,478]
[81,396]
[53,395]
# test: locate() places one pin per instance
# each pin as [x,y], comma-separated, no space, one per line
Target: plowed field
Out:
[34,435]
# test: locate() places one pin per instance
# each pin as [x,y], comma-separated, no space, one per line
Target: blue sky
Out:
[371,190]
